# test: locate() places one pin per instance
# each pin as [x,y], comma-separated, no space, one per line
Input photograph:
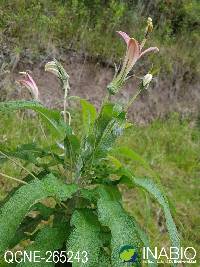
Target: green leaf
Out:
[19,104]
[104,259]
[149,186]
[109,192]
[107,127]
[152,188]
[52,117]
[6,264]
[89,194]
[89,115]
[44,211]
[131,154]
[28,225]
[27,179]
[86,236]
[145,240]
[27,152]
[31,154]
[48,239]
[115,162]
[72,149]
[123,230]
[17,207]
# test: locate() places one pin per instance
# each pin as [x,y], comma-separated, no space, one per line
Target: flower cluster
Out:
[133,54]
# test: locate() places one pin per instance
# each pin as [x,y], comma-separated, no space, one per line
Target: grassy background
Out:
[35,27]
[171,148]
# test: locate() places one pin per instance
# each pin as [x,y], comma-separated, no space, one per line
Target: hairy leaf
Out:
[72,149]
[152,188]
[129,153]
[104,259]
[145,240]
[6,264]
[17,207]
[27,179]
[109,192]
[89,194]
[86,236]
[107,127]
[149,186]
[28,225]
[123,230]
[43,210]
[89,114]
[27,152]
[52,117]
[48,239]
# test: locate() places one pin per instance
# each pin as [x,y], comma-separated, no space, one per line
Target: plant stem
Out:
[106,98]
[66,88]
[21,166]
[63,204]
[44,134]
[133,98]
[12,178]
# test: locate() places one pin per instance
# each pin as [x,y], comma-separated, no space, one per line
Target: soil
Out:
[88,79]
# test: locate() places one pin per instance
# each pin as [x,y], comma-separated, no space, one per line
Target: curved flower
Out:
[30,84]
[56,68]
[140,53]
[133,53]
[51,66]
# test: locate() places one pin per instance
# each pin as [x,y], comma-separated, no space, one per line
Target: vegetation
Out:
[82,175]
[171,148]
[160,144]
[79,193]
[76,24]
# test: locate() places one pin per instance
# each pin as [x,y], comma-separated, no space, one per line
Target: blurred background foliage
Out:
[40,26]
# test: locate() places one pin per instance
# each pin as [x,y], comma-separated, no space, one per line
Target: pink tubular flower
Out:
[30,84]
[133,53]
[139,47]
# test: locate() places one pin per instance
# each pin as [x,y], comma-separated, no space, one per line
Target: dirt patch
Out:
[89,80]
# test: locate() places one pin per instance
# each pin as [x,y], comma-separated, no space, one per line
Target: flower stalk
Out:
[57,69]
[143,86]
[133,54]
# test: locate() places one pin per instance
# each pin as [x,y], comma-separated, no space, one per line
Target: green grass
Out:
[171,147]
[89,26]
[17,129]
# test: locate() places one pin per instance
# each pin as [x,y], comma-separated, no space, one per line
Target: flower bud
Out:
[149,27]
[146,80]
[56,68]
[150,24]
